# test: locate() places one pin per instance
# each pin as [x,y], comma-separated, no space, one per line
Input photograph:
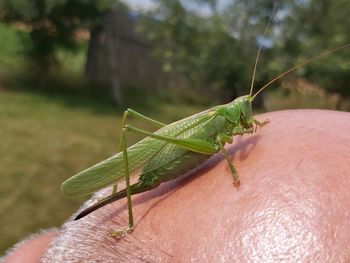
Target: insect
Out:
[172,150]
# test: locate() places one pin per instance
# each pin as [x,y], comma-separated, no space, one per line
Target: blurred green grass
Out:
[291,99]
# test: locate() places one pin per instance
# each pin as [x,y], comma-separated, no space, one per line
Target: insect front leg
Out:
[240,131]
[222,139]
[259,123]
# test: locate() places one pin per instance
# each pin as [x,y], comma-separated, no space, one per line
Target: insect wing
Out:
[113,169]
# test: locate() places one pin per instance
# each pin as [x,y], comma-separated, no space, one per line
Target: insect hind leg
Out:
[137,115]
[123,149]
[139,187]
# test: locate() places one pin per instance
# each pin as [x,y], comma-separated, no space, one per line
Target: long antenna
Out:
[259,50]
[324,54]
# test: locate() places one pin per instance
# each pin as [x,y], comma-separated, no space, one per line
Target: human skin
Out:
[32,249]
[293,204]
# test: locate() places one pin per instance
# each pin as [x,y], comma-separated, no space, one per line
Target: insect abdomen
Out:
[182,164]
[173,161]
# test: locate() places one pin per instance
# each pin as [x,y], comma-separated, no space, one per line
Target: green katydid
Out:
[172,150]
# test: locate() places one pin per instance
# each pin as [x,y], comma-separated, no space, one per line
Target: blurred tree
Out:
[214,50]
[211,46]
[246,21]
[53,24]
[309,28]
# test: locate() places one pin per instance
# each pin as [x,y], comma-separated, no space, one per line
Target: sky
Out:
[139,4]
[144,5]
[203,10]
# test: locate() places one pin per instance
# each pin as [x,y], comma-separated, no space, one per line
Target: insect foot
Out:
[121,233]
[260,124]
[265,122]
[236,182]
